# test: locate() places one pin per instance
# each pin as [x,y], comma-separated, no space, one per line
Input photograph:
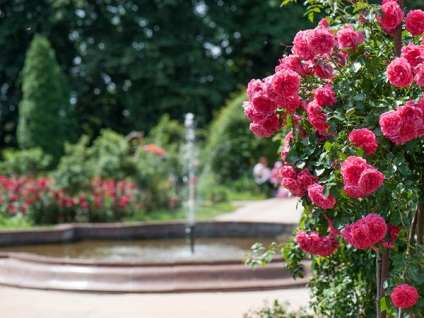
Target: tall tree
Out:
[129,62]
[45,116]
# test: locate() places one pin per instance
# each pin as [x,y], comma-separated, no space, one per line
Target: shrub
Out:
[19,163]
[45,116]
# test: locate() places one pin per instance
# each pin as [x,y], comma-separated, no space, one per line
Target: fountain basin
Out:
[44,272]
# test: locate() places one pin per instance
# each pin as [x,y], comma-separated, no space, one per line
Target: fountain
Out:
[189,156]
[139,257]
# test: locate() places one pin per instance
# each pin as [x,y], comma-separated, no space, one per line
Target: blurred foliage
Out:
[231,148]
[276,310]
[18,163]
[45,117]
[123,58]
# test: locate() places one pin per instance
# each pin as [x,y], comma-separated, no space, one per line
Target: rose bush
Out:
[356,127]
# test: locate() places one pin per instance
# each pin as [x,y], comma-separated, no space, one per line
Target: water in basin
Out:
[160,250]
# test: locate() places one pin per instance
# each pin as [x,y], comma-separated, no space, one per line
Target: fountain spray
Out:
[190,156]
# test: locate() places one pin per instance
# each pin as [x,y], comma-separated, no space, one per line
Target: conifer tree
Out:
[45,116]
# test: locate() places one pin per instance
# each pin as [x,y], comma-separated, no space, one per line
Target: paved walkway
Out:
[24,303]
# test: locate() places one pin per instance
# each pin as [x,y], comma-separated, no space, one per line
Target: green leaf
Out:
[383,304]
[327,146]
[359,97]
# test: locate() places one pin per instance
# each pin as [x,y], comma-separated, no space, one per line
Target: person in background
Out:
[261,174]
[275,177]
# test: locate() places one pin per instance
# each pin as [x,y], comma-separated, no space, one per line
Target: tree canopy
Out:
[128,62]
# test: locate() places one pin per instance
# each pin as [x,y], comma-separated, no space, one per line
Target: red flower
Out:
[348,38]
[316,244]
[415,22]
[317,196]
[393,16]
[285,82]
[360,178]
[393,232]
[399,72]
[365,232]
[325,96]
[364,138]
[404,296]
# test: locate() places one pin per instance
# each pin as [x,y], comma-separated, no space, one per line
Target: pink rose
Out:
[365,232]
[317,117]
[364,138]
[255,87]
[352,169]
[293,186]
[301,47]
[390,123]
[316,244]
[306,179]
[419,74]
[284,151]
[263,103]
[415,22]
[288,172]
[404,296]
[414,54]
[348,38]
[294,63]
[285,82]
[290,102]
[393,232]
[321,40]
[252,113]
[393,16]
[360,179]
[315,193]
[371,179]
[325,96]
[323,69]
[259,130]
[399,72]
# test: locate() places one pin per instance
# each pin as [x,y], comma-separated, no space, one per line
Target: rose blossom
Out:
[255,86]
[390,123]
[293,186]
[364,138]
[252,113]
[365,232]
[315,193]
[284,151]
[321,40]
[259,130]
[415,22]
[300,46]
[393,16]
[371,179]
[414,54]
[399,72]
[348,38]
[393,232]
[292,62]
[419,74]
[317,117]
[404,296]
[360,179]
[316,244]
[325,96]
[323,69]
[285,82]
[305,178]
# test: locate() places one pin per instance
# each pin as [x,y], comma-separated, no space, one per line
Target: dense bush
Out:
[18,163]
[102,182]
[45,116]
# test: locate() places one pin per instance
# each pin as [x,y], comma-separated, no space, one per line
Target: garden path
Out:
[25,303]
